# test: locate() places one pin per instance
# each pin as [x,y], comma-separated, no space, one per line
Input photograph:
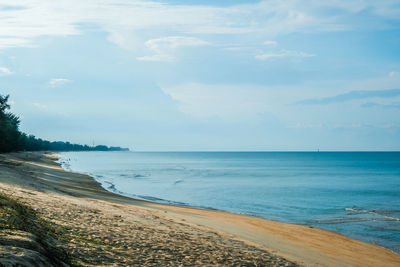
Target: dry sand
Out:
[108,229]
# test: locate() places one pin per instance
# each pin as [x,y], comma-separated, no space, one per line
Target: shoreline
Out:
[184,205]
[296,243]
[347,219]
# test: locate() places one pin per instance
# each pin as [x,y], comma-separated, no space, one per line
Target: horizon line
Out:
[236,151]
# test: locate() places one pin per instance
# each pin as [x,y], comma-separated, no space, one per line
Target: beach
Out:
[108,229]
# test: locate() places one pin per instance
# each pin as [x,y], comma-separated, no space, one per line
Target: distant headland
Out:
[12,139]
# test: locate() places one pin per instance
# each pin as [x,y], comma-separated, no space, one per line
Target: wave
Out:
[134,175]
[110,186]
[65,164]
[284,187]
[357,210]
[178,181]
[360,215]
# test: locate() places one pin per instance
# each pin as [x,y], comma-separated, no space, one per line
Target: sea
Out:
[356,194]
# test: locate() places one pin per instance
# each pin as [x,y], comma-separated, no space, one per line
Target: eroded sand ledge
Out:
[110,229]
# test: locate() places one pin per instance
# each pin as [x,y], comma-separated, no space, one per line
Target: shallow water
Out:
[356,194]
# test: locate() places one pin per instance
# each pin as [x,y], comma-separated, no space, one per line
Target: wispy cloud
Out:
[10,42]
[271,43]
[21,25]
[164,48]
[238,48]
[56,82]
[225,101]
[353,95]
[343,125]
[283,54]
[11,7]
[39,106]
[379,105]
[5,71]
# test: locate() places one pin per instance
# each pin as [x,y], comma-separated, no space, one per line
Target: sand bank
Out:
[104,228]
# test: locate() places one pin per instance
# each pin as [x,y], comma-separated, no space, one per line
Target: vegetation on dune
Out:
[17,216]
[12,139]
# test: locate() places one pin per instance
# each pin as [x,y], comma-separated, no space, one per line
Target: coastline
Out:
[282,243]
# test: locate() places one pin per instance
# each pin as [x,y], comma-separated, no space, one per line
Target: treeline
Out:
[12,139]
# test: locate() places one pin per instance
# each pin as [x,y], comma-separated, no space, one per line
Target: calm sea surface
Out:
[356,194]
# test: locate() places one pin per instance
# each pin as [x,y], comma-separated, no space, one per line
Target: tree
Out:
[9,123]
[3,103]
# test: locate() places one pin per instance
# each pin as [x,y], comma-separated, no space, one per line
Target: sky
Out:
[198,75]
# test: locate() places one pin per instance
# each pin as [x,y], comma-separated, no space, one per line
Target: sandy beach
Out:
[103,228]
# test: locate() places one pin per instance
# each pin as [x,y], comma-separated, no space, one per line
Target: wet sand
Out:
[108,229]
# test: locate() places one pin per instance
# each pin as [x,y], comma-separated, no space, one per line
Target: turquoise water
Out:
[356,194]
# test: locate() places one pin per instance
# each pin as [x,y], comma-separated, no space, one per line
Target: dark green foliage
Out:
[9,133]
[11,139]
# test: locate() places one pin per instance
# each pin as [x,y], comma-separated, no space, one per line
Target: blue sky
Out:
[205,75]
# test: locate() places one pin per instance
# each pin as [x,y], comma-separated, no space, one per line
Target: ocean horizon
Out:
[356,194]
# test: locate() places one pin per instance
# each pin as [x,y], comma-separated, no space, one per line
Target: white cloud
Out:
[239,48]
[55,82]
[163,48]
[225,101]
[342,125]
[173,42]
[283,54]
[129,22]
[5,71]
[271,43]
[390,81]
[157,57]
[7,42]
[39,106]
